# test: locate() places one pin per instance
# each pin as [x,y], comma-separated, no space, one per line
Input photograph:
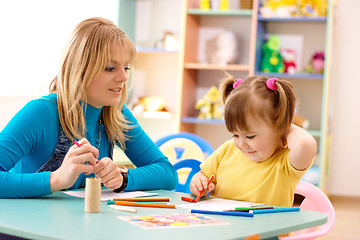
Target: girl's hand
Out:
[76,161]
[199,183]
[109,172]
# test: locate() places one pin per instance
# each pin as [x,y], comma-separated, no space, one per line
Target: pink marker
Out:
[77,143]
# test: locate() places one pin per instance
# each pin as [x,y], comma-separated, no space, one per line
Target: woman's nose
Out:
[121,76]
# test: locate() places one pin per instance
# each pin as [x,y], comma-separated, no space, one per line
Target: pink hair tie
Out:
[237,83]
[270,83]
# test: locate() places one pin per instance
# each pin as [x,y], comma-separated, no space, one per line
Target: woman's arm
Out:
[154,171]
[302,147]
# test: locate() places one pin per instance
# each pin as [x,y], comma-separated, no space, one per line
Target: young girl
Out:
[86,102]
[268,155]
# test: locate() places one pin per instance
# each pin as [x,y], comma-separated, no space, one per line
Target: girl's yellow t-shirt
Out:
[270,182]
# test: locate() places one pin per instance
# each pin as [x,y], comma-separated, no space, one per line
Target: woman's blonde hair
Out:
[85,56]
[253,99]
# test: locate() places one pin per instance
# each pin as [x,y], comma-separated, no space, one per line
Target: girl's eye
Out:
[250,137]
[235,135]
[127,68]
[110,68]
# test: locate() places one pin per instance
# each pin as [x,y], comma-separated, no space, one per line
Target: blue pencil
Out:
[241,214]
[284,209]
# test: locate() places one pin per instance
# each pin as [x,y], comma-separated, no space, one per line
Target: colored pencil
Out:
[188,199]
[123,208]
[202,192]
[283,209]
[141,204]
[253,208]
[144,199]
[240,214]
[77,143]
[247,209]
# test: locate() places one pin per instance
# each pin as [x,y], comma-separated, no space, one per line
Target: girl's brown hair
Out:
[253,99]
[88,51]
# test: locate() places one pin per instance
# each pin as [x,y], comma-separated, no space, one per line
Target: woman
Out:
[86,103]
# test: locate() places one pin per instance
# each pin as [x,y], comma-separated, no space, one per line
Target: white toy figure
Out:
[225,49]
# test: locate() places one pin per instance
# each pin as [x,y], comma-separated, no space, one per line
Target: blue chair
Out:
[184,145]
[194,165]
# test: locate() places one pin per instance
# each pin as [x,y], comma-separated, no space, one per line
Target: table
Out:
[60,216]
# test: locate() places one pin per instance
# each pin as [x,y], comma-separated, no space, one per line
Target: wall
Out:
[345,161]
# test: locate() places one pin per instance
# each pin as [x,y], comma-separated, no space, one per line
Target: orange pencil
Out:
[144,199]
[202,192]
[139,204]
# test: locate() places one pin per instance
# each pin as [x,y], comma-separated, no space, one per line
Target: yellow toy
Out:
[210,105]
[205,4]
[224,5]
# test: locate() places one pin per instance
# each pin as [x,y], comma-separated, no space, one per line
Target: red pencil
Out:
[202,192]
[140,204]
[187,199]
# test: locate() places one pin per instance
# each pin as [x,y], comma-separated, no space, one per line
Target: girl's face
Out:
[259,143]
[106,88]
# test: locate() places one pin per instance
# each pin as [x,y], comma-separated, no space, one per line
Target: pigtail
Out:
[226,86]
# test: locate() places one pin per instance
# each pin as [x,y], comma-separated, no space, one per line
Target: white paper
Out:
[218,204]
[108,194]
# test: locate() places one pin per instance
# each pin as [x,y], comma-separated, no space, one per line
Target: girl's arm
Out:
[153,170]
[302,147]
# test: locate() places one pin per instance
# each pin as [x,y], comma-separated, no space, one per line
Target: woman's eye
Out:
[127,68]
[110,68]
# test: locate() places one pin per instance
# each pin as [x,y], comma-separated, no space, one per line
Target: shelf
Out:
[205,66]
[296,75]
[292,19]
[230,12]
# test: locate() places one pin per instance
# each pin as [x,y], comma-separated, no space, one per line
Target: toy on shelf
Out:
[289,58]
[272,60]
[224,50]
[291,8]
[224,5]
[151,107]
[210,105]
[205,4]
[317,63]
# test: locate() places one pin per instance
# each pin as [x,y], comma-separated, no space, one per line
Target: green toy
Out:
[272,61]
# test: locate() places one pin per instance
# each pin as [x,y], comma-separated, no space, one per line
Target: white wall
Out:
[33,33]
[345,165]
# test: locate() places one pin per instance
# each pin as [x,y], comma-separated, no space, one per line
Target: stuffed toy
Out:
[289,57]
[210,105]
[205,4]
[150,104]
[317,63]
[272,60]
[225,50]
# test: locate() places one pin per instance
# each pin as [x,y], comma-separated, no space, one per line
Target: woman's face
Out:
[106,88]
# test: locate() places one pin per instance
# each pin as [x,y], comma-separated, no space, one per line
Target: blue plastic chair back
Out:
[194,165]
[205,147]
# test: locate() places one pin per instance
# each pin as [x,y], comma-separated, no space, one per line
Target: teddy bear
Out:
[225,49]
[210,105]
[272,60]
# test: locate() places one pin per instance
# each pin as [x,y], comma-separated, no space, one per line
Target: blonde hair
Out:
[85,56]
[253,99]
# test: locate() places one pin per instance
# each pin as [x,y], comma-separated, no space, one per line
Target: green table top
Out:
[60,216]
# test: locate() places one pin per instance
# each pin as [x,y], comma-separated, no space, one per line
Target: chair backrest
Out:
[184,184]
[184,145]
[315,200]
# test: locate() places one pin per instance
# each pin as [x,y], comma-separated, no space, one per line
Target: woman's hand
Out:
[76,161]
[199,183]
[109,172]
